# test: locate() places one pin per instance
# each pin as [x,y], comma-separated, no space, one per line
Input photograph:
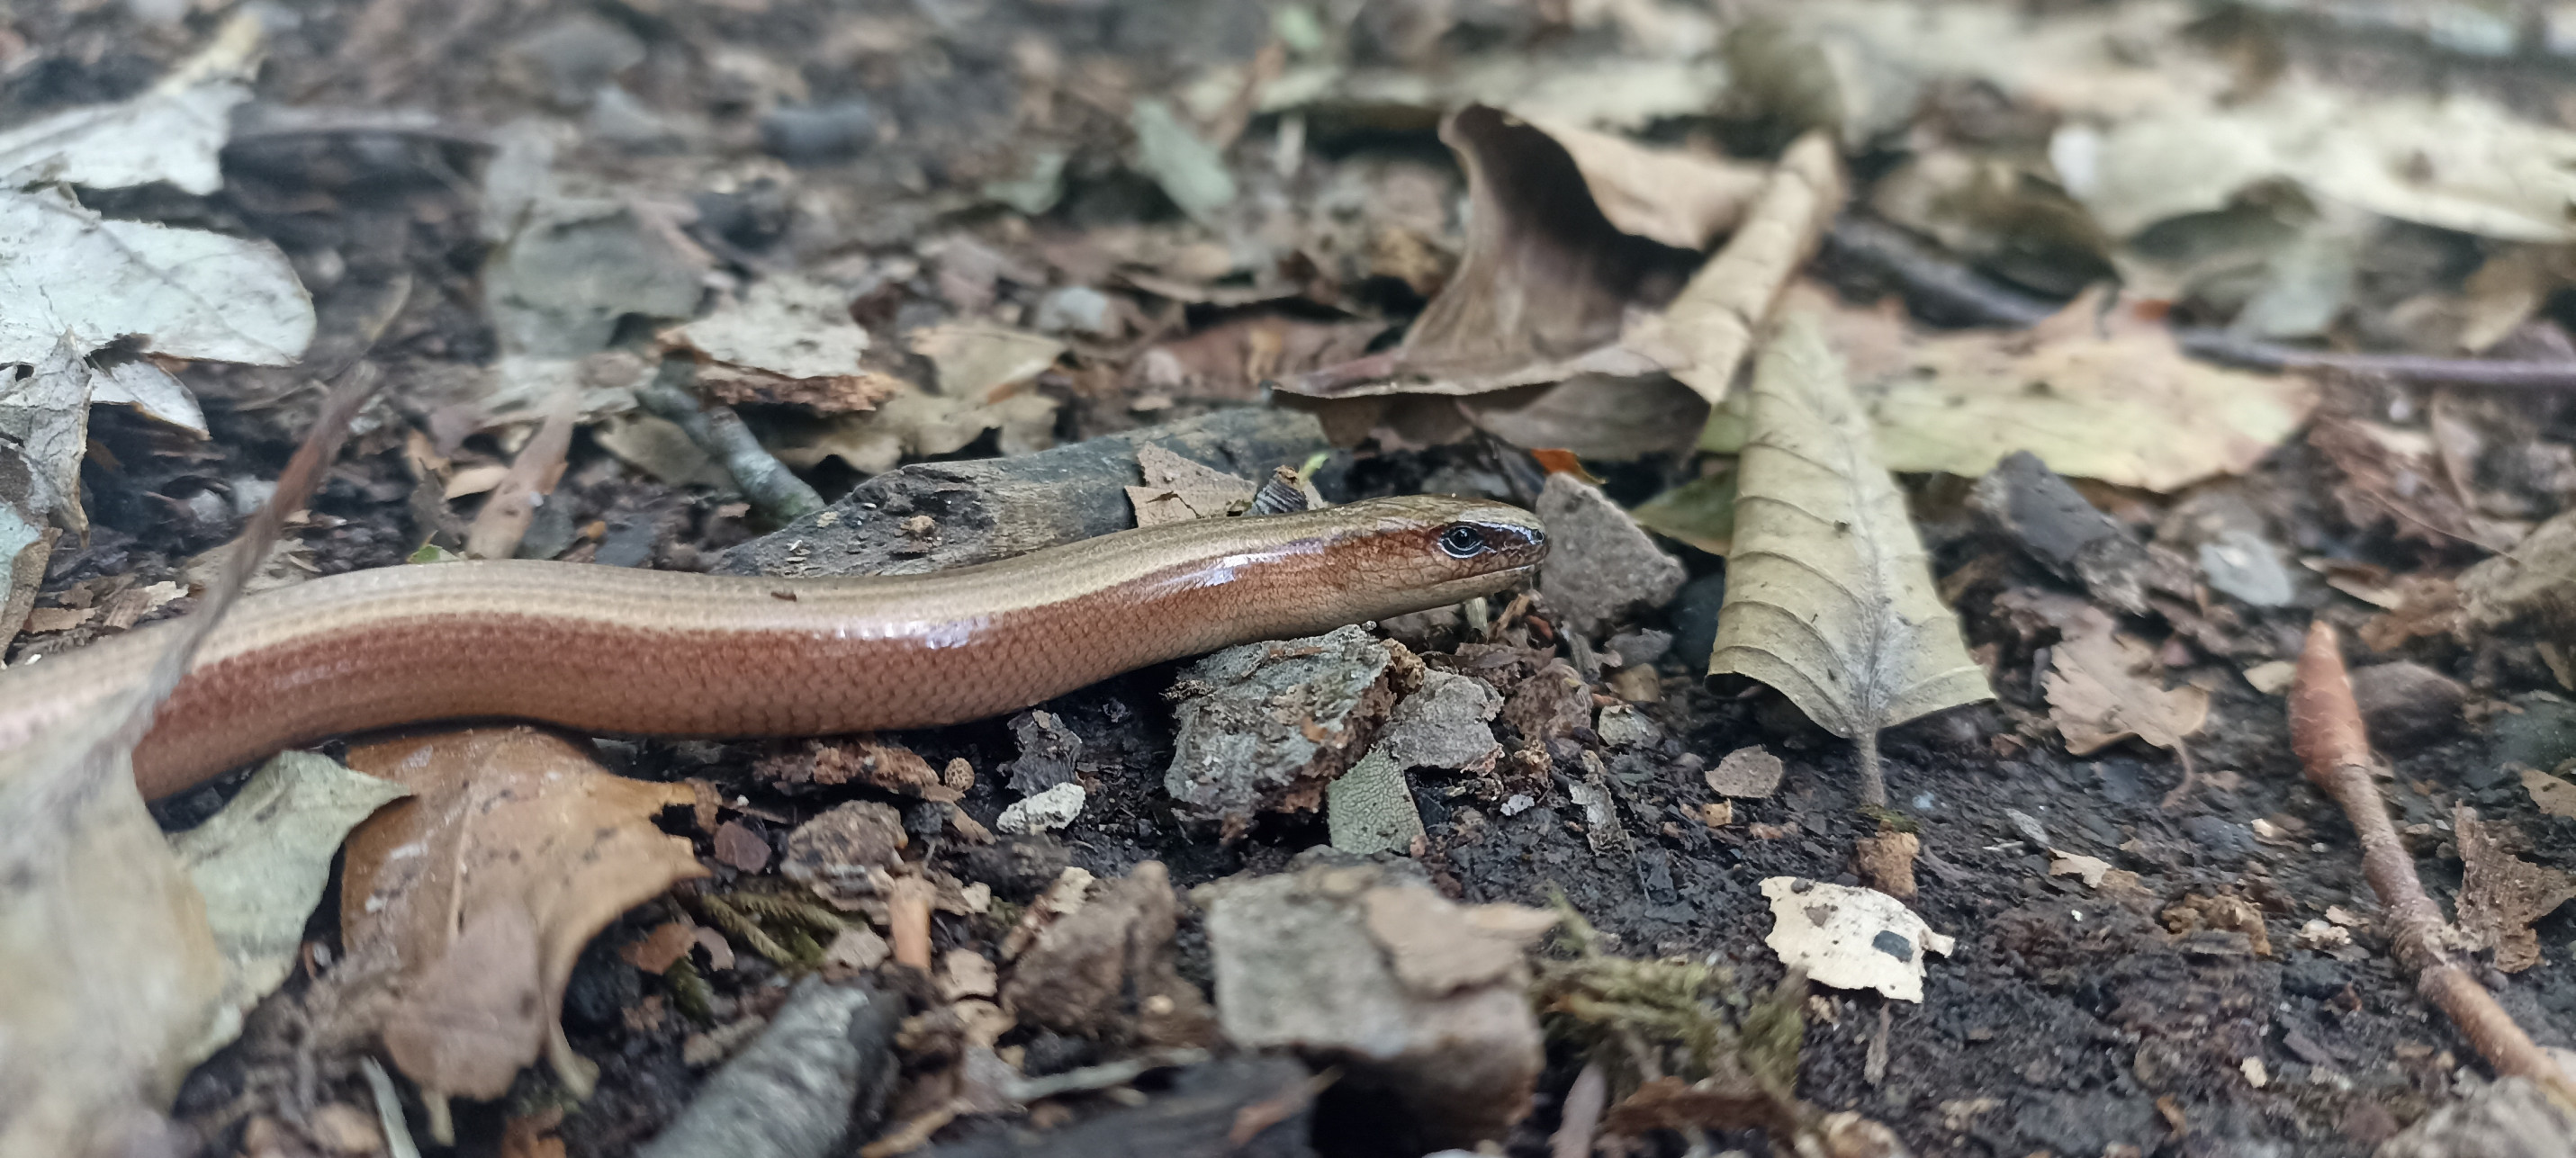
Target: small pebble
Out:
[2407,705]
[1044,812]
[819,134]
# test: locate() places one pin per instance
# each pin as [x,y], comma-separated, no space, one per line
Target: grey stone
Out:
[1623,726]
[2247,566]
[1601,567]
[2539,733]
[1633,647]
[1081,309]
[575,57]
[1045,812]
[819,134]
[618,119]
[2407,705]
[1414,996]
[1445,724]
[1370,808]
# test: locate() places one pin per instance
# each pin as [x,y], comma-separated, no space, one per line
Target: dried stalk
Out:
[2326,729]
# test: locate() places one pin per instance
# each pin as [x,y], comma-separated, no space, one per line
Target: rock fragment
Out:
[1048,751]
[1046,811]
[1370,808]
[2510,1118]
[1751,773]
[1602,567]
[844,850]
[2407,705]
[1415,996]
[1446,724]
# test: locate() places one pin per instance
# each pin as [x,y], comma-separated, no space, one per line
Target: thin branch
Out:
[1949,291]
[2326,729]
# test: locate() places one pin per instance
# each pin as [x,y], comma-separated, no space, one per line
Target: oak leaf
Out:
[480,891]
[2099,692]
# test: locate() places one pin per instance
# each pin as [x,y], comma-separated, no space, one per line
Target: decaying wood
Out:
[2326,728]
[994,508]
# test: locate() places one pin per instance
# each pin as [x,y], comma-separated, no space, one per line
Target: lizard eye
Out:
[1462,542]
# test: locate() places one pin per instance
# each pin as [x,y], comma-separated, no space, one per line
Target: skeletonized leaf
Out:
[1828,597]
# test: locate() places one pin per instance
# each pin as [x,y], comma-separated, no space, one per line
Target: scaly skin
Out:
[606,649]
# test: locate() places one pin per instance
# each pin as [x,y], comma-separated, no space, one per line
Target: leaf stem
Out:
[1873,780]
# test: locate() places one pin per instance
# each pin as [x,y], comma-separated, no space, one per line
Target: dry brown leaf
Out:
[1704,335]
[1543,289]
[2100,692]
[977,361]
[1554,289]
[2536,583]
[2107,397]
[1677,197]
[1231,359]
[505,517]
[1178,490]
[482,889]
[1594,417]
[2393,477]
[911,424]
[787,339]
[2549,793]
[2502,894]
[1829,598]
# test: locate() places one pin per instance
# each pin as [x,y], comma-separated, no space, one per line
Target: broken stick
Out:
[2326,729]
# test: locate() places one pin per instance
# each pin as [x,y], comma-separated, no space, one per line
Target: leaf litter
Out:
[473,898]
[2016,160]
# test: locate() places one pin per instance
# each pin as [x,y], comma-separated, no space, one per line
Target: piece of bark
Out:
[2054,525]
[994,508]
[824,1064]
[1265,726]
[1106,972]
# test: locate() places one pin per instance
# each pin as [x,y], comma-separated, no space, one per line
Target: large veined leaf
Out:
[1829,598]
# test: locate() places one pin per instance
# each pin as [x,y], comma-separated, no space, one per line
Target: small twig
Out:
[774,491]
[2220,346]
[1952,292]
[505,517]
[2326,729]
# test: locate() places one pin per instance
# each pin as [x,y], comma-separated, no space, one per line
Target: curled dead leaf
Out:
[478,893]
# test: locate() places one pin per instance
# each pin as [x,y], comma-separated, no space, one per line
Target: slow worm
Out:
[612,650]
